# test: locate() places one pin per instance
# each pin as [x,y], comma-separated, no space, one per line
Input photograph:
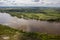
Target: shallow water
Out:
[30,25]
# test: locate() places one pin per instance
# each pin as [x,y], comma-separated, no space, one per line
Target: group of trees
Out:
[30,9]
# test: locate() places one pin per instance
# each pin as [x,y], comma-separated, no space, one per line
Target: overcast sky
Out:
[55,3]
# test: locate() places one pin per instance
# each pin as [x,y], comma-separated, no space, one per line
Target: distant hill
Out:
[26,7]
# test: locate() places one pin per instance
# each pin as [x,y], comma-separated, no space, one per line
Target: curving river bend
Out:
[30,25]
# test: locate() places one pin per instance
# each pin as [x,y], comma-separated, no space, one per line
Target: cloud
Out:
[29,3]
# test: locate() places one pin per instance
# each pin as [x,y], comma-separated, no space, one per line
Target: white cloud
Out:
[29,3]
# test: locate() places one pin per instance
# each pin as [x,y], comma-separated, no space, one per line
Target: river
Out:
[29,25]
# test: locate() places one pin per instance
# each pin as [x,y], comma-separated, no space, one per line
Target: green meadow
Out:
[43,14]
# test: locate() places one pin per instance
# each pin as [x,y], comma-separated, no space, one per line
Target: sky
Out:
[53,3]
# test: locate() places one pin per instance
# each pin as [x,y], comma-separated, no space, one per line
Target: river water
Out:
[30,25]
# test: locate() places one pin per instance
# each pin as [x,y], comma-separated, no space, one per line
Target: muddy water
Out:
[30,25]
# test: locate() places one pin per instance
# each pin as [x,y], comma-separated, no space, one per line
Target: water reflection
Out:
[29,25]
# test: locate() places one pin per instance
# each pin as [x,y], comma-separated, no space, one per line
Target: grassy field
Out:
[38,16]
[13,34]
[43,14]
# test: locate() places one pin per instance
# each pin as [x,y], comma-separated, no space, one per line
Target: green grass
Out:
[37,16]
[43,14]
[15,34]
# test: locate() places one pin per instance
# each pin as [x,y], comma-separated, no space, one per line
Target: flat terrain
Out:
[38,16]
[43,14]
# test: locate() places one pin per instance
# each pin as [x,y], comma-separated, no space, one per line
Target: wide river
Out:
[30,25]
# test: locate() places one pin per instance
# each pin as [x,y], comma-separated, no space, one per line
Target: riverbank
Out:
[40,13]
[38,16]
[7,33]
